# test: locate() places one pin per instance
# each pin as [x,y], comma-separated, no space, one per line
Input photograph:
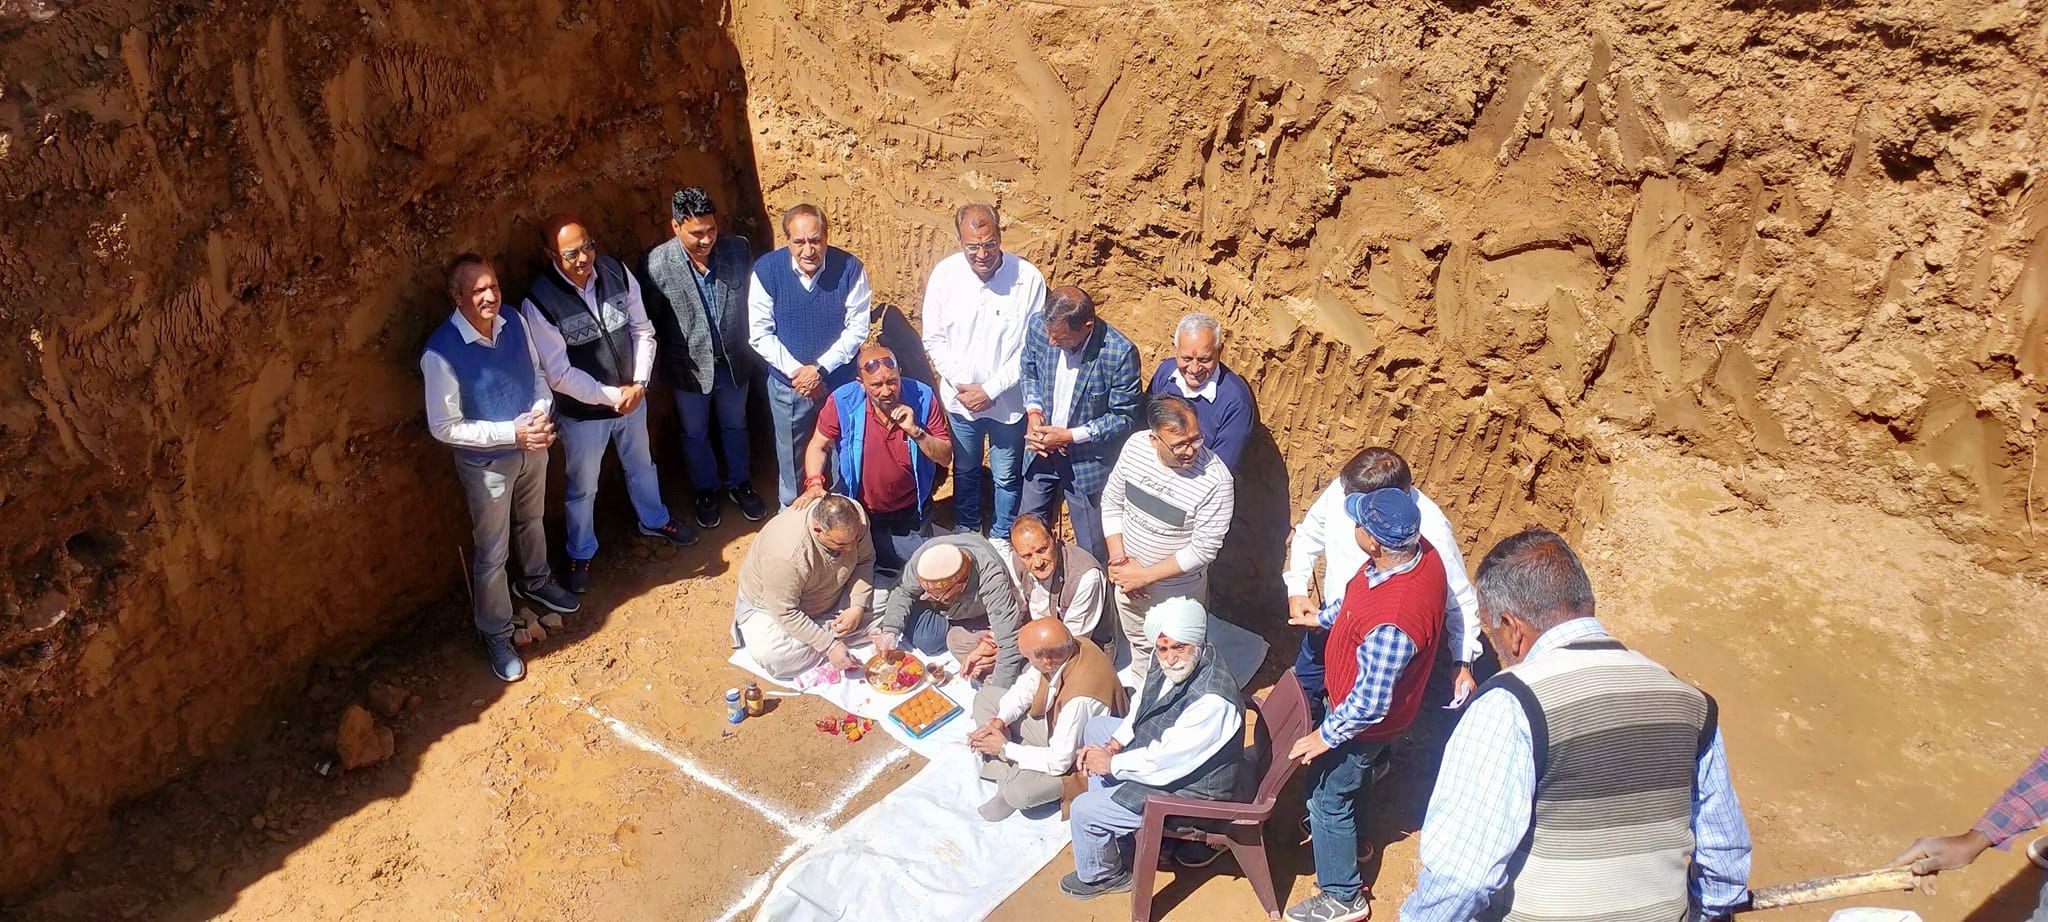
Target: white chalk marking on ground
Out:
[697,773]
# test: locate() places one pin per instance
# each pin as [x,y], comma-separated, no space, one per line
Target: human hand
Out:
[1935,854]
[1113,747]
[1462,687]
[808,381]
[847,621]
[1308,748]
[904,418]
[630,398]
[534,431]
[1093,760]
[1301,611]
[840,657]
[988,744]
[1054,438]
[809,495]
[884,641]
[973,397]
[1129,576]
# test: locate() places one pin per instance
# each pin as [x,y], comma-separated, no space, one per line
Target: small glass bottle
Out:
[735,710]
[756,703]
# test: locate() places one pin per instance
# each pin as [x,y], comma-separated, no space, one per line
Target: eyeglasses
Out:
[880,361]
[980,248]
[587,249]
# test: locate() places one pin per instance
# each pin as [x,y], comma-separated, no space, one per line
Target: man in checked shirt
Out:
[1381,645]
[2022,807]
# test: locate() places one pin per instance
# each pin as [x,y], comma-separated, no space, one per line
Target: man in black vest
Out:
[696,285]
[596,348]
[1184,737]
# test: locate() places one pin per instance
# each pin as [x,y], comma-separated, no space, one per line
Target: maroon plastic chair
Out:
[1237,825]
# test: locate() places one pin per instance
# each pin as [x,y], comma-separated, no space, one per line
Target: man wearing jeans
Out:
[807,314]
[977,306]
[1381,644]
[596,348]
[486,398]
[1081,400]
[696,284]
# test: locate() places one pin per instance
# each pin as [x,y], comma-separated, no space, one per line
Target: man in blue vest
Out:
[807,315]
[891,440]
[696,284]
[487,399]
[596,348]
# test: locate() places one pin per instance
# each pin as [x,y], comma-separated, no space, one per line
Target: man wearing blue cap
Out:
[1382,643]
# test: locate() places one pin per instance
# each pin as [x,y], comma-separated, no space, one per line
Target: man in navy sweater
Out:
[807,315]
[1196,373]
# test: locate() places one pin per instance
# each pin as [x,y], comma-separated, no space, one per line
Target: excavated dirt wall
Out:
[221,232]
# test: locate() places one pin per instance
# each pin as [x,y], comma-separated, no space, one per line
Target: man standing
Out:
[2023,806]
[1382,637]
[1165,510]
[977,306]
[1184,737]
[1586,781]
[1326,532]
[697,286]
[487,399]
[889,436]
[596,347]
[964,603]
[805,588]
[1057,579]
[1029,734]
[1081,398]
[1197,374]
[808,315]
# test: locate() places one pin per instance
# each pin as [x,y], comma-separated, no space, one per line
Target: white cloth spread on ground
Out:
[957,865]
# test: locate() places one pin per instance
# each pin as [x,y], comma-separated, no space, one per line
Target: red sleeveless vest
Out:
[1413,602]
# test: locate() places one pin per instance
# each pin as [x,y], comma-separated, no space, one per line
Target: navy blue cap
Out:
[1389,515]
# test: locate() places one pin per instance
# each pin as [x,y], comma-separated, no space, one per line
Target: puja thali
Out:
[894,673]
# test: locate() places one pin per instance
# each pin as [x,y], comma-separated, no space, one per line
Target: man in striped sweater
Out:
[1165,510]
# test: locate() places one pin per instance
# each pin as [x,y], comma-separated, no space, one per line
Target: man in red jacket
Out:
[1382,643]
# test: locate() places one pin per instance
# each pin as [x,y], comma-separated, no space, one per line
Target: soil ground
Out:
[1872,680]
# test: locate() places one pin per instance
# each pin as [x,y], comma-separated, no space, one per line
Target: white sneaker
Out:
[2037,852]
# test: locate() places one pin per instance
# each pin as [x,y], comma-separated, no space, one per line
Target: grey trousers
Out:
[1021,788]
[506,499]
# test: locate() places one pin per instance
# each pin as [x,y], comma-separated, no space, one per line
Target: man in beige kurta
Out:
[806,587]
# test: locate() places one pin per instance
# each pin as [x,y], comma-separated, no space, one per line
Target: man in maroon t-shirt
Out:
[883,441]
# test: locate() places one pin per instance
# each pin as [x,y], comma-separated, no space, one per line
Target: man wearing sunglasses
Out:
[596,346]
[891,442]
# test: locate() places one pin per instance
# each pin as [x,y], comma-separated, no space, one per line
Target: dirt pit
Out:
[1867,698]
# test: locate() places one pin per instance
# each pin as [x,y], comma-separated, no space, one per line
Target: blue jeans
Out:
[1308,670]
[1005,449]
[583,444]
[1338,782]
[1046,478]
[926,629]
[728,398]
[796,418]
[1101,828]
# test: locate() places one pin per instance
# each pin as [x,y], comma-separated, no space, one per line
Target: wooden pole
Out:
[1820,889]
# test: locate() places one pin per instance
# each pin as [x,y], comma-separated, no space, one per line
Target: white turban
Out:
[1180,618]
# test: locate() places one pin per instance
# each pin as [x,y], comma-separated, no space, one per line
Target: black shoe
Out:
[674,533]
[577,580]
[504,656]
[1071,885]
[549,595]
[751,504]
[707,510]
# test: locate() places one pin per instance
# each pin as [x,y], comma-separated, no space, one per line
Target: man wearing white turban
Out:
[1183,737]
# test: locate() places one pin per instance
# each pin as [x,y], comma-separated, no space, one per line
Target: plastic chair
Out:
[1237,825]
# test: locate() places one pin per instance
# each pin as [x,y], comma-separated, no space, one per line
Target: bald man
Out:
[890,439]
[596,348]
[1028,736]
[962,602]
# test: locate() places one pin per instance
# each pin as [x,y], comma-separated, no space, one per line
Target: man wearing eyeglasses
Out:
[807,314]
[977,306]
[891,442]
[596,347]
[1165,511]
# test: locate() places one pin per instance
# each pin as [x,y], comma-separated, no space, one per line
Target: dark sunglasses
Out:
[880,361]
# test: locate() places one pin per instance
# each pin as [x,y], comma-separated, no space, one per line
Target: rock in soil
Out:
[387,699]
[361,740]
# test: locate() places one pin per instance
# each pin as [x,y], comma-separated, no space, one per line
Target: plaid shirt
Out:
[1107,395]
[1382,656]
[2022,807]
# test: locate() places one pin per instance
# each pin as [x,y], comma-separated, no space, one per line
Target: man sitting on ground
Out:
[890,441]
[1382,637]
[1057,579]
[805,587]
[963,603]
[1030,733]
[1184,737]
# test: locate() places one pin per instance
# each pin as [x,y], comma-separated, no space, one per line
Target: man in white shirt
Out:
[1030,733]
[1184,737]
[1165,511]
[596,347]
[487,399]
[977,306]
[1327,532]
[807,316]
[1058,579]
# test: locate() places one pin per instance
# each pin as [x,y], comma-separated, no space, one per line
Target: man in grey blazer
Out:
[696,290]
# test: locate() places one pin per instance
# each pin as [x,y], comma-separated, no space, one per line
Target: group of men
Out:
[1584,782]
